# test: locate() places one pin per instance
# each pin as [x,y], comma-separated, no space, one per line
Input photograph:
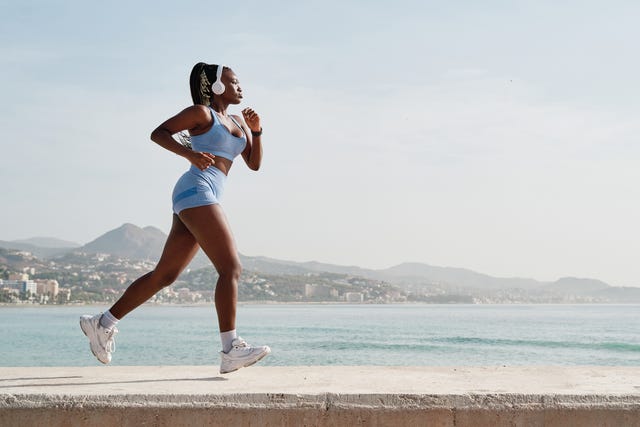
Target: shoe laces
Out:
[240,344]
[110,345]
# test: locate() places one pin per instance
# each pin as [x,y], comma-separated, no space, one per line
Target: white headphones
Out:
[218,87]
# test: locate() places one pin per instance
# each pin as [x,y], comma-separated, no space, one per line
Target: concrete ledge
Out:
[320,396]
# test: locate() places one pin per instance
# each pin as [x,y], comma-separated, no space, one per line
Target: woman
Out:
[198,220]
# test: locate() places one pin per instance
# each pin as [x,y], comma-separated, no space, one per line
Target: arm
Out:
[252,154]
[193,118]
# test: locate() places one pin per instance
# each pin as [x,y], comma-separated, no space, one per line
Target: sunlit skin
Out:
[203,226]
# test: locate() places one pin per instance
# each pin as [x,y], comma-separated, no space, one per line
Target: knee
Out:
[231,271]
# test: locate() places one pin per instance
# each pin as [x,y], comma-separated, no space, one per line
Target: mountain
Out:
[619,294]
[129,241]
[133,242]
[49,242]
[406,274]
[276,266]
[39,251]
[575,285]
[419,273]
[273,266]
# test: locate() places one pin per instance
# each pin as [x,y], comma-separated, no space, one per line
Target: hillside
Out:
[39,251]
[134,243]
[129,241]
[48,242]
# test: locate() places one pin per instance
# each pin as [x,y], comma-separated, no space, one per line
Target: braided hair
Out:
[202,76]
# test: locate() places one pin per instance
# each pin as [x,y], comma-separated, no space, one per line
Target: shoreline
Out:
[242,303]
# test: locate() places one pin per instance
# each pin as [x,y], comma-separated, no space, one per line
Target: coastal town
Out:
[78,278]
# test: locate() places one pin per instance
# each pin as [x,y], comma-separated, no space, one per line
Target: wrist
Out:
[256,132]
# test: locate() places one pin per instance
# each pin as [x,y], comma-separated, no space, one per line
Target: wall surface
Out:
[320,396]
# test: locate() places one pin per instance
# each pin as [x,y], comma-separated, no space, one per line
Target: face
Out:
[232,90]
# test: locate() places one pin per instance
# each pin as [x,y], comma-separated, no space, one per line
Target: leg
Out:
[209,226]
[178,251]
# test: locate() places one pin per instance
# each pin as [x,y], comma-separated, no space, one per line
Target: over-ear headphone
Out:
[218,87]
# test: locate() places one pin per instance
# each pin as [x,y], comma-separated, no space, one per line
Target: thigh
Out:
[208,224]
[179,250]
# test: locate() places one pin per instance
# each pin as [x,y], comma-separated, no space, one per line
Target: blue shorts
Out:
[198,188]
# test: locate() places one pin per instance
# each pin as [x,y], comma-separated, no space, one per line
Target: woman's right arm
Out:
[191,118]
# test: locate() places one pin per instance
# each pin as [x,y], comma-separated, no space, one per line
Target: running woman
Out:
[217,138]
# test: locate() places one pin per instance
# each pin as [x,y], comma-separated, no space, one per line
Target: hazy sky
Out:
[500,136]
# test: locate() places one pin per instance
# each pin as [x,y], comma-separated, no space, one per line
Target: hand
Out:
[202,160]
[252,119]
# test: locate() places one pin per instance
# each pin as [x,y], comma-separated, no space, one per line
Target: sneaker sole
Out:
[262,356]
[90,346]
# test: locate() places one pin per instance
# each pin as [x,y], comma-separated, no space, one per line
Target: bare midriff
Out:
[223,164]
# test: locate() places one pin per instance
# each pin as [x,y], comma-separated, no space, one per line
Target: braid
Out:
[200,93]
[205,88]
[184,138]
[202,75]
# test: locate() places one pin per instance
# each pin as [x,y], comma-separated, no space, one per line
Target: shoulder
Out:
[198,110]
[196,118]
[195,111]
[201,114]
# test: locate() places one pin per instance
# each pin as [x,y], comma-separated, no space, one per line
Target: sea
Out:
[337,334]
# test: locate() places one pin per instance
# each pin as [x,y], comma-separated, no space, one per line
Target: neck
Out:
[219,106]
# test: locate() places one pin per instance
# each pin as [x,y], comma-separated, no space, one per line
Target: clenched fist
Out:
[252,119]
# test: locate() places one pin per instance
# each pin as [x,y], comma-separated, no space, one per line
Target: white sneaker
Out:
[241,355]
[101,340]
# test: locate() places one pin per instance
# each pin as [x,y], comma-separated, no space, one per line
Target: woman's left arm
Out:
[252,154]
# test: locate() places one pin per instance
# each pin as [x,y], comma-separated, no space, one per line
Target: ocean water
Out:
[338,334]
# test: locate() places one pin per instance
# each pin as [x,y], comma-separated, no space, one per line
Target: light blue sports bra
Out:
[219,141]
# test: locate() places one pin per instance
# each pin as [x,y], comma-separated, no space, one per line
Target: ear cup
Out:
[218,87]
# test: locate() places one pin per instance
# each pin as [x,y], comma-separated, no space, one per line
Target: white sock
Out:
[227,338]
[108,320]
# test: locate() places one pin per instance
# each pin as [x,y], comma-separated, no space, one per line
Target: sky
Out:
[498,136]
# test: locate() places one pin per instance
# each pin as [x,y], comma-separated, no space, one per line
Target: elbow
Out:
[156,134]
[253,164]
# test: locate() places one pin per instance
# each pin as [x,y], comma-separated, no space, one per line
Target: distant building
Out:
[186,295]
[322,291]
[47,287]
[29,286]
[21,282]
[10,291]
[168,292]
[353,297]
[66,292]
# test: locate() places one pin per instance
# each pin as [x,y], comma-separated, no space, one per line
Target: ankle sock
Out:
[227,338]
[108,320]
